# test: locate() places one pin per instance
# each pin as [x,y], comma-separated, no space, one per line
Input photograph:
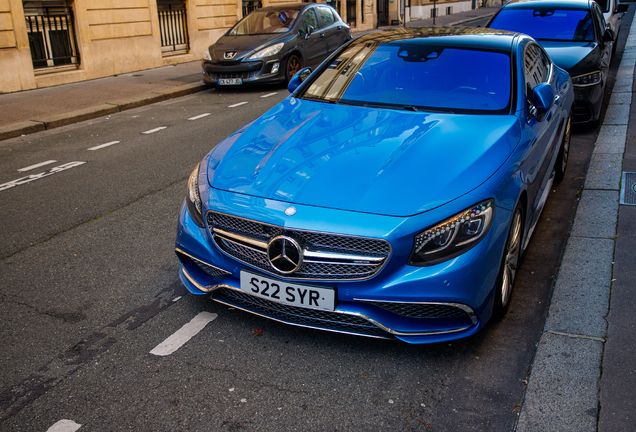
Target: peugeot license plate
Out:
[230,81]
[292,294]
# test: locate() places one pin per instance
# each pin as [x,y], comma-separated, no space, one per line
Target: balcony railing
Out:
[52,37]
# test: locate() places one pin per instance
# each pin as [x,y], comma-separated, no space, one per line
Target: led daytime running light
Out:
[587,79]
[193,188]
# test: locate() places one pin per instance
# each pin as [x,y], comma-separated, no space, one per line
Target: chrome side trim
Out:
[357,314]
[207,289]
[201,261]
[343,258]
[469,311]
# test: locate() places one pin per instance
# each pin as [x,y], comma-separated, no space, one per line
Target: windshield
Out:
[417,76]
[547,23]
[265,22]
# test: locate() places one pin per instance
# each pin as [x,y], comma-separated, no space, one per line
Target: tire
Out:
[564,152]
[509,264]
[293,65]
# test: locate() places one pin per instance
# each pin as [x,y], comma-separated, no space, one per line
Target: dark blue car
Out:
[575,35]
[391,194]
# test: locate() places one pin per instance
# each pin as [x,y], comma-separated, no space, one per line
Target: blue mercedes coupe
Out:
[392,194]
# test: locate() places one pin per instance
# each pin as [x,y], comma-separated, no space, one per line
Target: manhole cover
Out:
[628,189]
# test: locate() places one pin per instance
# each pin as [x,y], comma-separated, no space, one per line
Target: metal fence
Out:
[52,37]
[173,27]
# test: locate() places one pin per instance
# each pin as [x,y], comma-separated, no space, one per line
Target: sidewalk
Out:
[31,111]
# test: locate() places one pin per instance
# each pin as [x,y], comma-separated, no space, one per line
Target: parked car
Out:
[577,38]
[271,44]
[391,194]
[613,14]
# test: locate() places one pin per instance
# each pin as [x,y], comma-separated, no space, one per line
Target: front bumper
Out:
[443,302]
[249,72]
[587,102]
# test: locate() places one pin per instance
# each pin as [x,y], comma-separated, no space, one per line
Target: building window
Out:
[51,34]
[173,27]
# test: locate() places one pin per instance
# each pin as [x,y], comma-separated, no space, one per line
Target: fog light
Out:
[275,67]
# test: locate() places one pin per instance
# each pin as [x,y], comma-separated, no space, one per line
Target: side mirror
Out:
[608,36]
[543,99]
[297,79]
[309,31]
[622,8]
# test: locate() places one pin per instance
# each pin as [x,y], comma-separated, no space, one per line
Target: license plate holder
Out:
[230,81]
[288,293]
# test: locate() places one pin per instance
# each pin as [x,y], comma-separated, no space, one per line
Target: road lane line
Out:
[32,177]
[237,104]
[268,95]
[154,130]
[64,426]
[101,146]
[199,116]
[29,168]
[184,334]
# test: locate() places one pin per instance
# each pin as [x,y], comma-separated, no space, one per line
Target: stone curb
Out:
[58,120]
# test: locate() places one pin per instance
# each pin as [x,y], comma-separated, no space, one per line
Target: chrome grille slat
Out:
[228,231]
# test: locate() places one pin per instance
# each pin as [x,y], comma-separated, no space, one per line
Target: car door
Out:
[328,28]
[606,46]
[312,42]
[538,70]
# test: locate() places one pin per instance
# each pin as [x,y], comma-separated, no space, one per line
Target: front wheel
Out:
[564,151]
[293,65]
[509,264]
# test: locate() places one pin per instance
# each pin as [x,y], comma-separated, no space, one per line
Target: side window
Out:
[600,20]
[309,18]
[326,17]
[536,68]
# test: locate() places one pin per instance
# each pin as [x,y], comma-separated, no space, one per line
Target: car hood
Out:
[574,57]
[379,161]
[243,45]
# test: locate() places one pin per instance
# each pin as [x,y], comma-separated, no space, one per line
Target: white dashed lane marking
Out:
[237,104]
[268,95]
[33,177]
[154,130]
[101,146]
[199,116]
[41,164]
[184,334]
[64,426]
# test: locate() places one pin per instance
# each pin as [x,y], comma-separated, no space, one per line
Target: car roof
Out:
[565,4]
[474,37]
[288,6]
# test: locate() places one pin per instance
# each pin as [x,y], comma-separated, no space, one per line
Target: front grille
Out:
[414,310]
[212,271]
[232,75]
[368,256]
[326,320]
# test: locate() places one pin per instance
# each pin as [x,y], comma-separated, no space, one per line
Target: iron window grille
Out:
[51,31]
[173,27]
[251,6]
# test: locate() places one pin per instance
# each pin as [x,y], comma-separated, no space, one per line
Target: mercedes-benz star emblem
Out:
[290,211]
[229,55]
[285,254]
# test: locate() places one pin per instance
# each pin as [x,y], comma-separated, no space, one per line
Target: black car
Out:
[271,44]
[577,39]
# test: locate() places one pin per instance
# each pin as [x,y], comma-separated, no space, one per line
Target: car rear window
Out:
[547,23]
[416,76]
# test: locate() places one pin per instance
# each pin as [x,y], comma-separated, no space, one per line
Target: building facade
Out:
[51,42]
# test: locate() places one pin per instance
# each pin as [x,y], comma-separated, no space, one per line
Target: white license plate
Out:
[292,294]
[230,81]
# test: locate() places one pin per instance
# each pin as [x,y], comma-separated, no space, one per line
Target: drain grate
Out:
[628,189]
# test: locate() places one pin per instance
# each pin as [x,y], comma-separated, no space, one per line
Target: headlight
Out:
[206,55]
[267,52]
[454,236]
[193,199]
[587,79]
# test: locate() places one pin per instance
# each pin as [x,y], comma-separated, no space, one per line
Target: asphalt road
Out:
[89,287]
